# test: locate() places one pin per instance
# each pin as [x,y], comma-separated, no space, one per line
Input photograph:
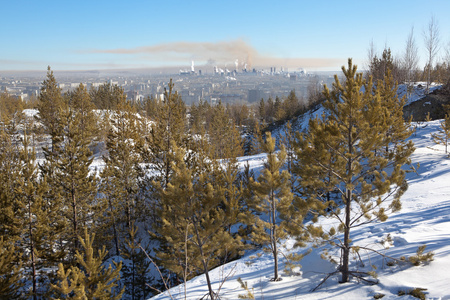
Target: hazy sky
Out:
[316,35]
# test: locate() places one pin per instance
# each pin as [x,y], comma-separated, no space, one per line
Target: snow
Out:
[423,219]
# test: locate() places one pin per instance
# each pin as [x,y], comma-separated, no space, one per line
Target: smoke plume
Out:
[225,52]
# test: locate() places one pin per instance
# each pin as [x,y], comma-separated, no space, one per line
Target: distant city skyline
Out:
[315,35]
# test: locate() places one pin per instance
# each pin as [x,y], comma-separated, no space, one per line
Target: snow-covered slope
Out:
[424,219]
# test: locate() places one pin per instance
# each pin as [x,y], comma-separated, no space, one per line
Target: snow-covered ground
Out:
[424,219]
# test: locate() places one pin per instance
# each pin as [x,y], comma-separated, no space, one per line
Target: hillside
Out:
[423,220]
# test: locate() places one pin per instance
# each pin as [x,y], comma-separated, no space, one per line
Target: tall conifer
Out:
[345,150]
[119,185]
[50,104]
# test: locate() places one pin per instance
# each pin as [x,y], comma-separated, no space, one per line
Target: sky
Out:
[293,34]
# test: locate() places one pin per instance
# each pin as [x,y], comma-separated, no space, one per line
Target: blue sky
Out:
[316,35]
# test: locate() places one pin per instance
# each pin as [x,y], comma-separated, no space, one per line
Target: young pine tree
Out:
[346,150]
[272,198]
[67,171]
[90,280]
[11,271]
[136,269]
[50,105]
[10,223]
[35,239]
[81,104]
[192,224]
[119,179]
[169,129]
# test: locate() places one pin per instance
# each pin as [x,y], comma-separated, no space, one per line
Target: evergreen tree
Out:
[50,105]
[262,110]
[67,171]
[224,137]
[11,115]
[288,141]
[10,222]
[136,269]
[279,112]
[29,192]
[345,150]
[10,271]
[107,96]
[82,105]
[90,280]
[291,104]
[168,129]
[272,198]
[119,185]
[270,110]
[193,226]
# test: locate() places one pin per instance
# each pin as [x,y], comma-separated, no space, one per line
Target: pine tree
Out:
[279,112]
[50,104]
[262,110]
[11,115]
[272,198]
[82,105]
[288,141]
[10,271]
[291,104]
[135,271]
[67,171]
[29,194]
[443,135]
[107,96]
[168,129]
[119,185]
[90,280]
[345,150]
[10,222]
[193,226]
[224,137]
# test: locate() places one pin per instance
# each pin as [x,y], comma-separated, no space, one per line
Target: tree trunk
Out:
[273,237]
[116,238]
[74,221]
[204,263]
[346,247]
[33,259]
